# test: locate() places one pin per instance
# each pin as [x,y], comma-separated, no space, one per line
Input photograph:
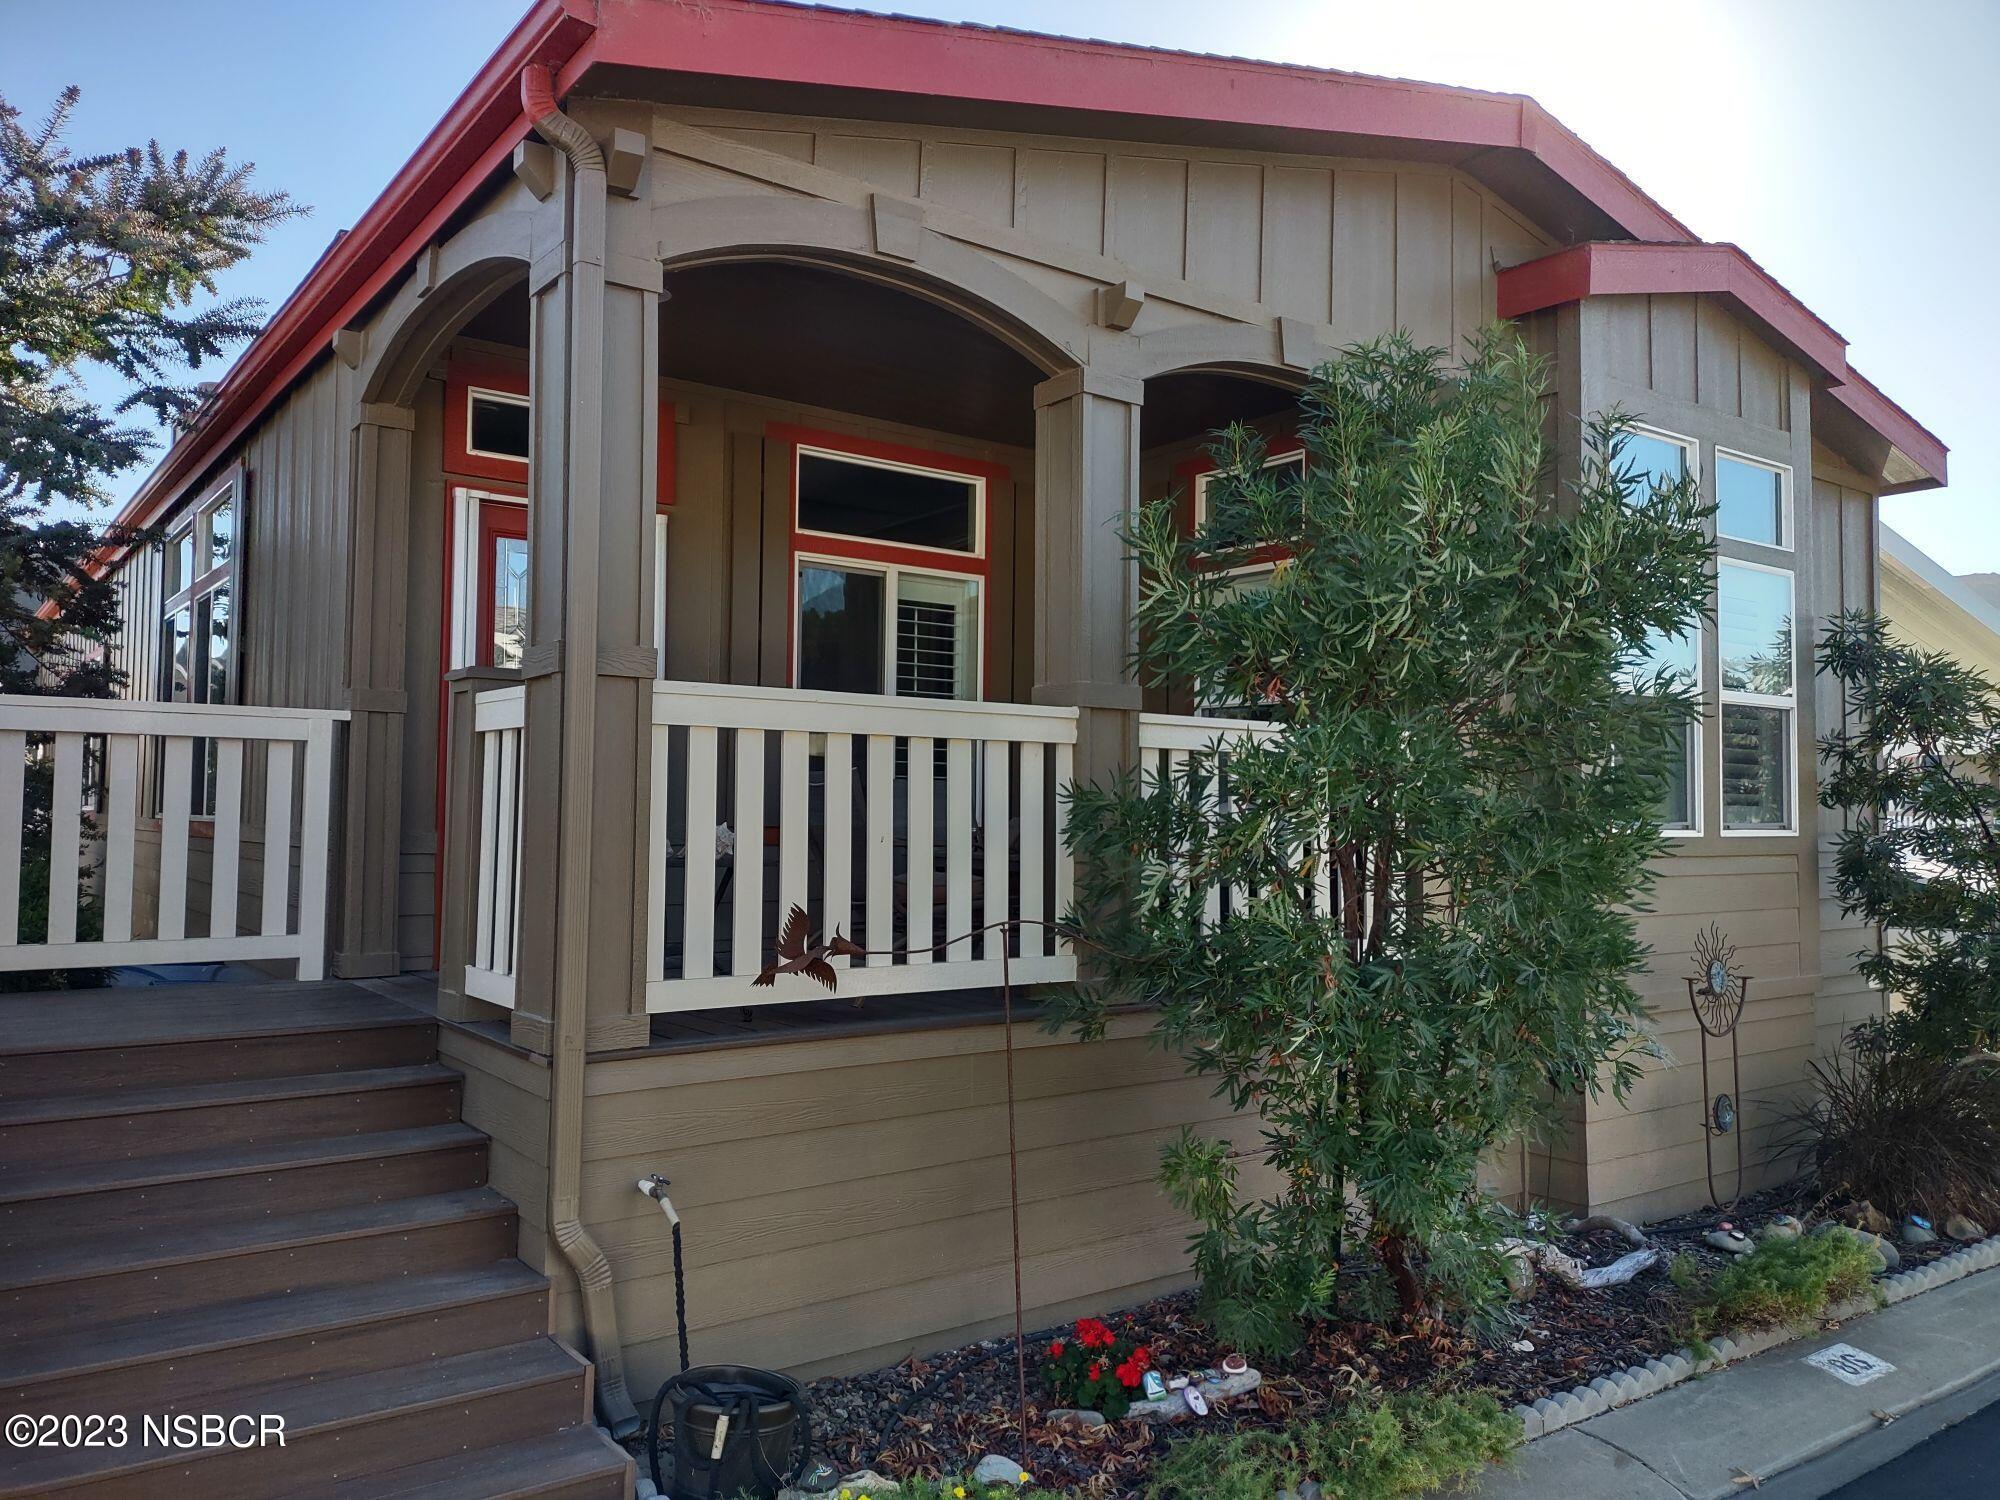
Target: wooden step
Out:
[133,1124]
[577,1463]
[259,1179]
[93,1041]
[336,1431]
[54,1286]
[178,1362]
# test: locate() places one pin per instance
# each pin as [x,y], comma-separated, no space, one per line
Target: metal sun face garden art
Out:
[1716,992]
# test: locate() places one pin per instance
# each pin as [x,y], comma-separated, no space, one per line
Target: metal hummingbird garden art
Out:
[1716,992]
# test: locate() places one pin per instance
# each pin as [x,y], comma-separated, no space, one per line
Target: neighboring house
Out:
[716,510]
[1937,610]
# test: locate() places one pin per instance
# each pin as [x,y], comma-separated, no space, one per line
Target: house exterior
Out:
[691,490]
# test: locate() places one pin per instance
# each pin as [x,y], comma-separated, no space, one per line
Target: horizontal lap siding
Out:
[847,1201]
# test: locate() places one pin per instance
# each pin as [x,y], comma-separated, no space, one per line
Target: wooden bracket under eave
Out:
[624,160]
[349,345]
[1119,306]
[535,166]
[897,227]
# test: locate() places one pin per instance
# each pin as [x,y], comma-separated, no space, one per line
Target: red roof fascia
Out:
[1918,443]
[906,55]
[1617,268]
[477,132]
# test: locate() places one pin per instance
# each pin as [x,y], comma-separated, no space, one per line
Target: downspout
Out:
[584,252]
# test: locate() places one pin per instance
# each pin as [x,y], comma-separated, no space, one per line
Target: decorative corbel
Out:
[1119,306]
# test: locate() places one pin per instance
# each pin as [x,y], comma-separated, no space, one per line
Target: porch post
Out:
[1087,587]
[589,663]
[365,940]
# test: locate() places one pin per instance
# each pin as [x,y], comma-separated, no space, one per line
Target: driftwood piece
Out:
[1632,1233]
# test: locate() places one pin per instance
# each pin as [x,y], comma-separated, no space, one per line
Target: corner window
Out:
[198,624]
[1757,654]
[889,573]
[1649,460]
[1750,502]
[496,425]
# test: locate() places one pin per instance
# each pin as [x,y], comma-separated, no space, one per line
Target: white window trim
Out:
[890,573]
[800,451]
[466,579]
[1690,447]
[190,524]
[473,395]
[1785,542]
[1787,703]
[1201,480]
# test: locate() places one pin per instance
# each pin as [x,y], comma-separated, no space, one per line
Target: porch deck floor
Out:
[760,1025]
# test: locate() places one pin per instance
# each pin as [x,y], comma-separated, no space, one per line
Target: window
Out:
[496,425]
[1651,460]
[1756,652]
[1750,501]
[1292,465]
[889,572]
[198,618]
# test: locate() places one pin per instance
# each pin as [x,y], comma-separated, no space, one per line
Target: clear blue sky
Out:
[1849,146]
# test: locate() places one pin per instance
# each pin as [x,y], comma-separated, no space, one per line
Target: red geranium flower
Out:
[1056,1349]
[1096,1371]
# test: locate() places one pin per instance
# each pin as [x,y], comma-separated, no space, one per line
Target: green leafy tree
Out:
[1917,767]
[110,261]
[107,260]
[1432,864]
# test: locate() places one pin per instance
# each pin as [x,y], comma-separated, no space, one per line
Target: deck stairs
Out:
[260,1200]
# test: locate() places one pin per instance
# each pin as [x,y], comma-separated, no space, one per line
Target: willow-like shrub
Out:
[1433,867]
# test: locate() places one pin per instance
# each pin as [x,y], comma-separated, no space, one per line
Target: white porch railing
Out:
[185,777]
[904,823]
[497,718]
[1179,745]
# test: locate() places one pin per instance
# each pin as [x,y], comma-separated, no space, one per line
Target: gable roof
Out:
[732,49]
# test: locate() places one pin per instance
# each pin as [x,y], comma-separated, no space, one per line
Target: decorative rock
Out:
[1782,1227]
[993,1469]
[1917,1233]
[1069,1416]
[1735,1241]
[1866,1217]
[1522,1346]
[1174,1408]
[1963,1230]
[1522,1282]
[644,1490]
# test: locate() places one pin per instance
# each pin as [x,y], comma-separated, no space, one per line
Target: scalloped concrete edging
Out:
[1635,1382]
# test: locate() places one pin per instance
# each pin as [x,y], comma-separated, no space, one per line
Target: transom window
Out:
[896,504]
[198,618]
[496,424]
[889,575]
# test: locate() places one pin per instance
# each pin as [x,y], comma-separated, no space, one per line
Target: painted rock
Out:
[1735,1241]
[1917,1233]
[1782,1227]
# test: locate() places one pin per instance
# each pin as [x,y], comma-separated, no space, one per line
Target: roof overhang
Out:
[739,50]
[1849,412]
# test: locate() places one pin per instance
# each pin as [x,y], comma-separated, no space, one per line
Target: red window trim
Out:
[917,559]
[464,374]
[1283,444]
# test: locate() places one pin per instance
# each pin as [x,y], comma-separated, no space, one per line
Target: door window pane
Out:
[1754,622]
[1749,502]
[1756,767]
[840,629]
[220,532]
[510,600]
[936,628]
[180,561]
[178,627]
[1649,462]
[217,651]
[499,426]
[906,507]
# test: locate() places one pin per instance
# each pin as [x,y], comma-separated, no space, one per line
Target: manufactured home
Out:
[690,490]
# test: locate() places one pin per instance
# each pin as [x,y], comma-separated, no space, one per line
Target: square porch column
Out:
[589,664]
[1086,583]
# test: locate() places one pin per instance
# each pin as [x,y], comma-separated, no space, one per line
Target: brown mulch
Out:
[940,1415]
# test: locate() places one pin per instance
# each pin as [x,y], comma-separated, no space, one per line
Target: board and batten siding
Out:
[1684,363]
[1360,247]
[845,1200]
